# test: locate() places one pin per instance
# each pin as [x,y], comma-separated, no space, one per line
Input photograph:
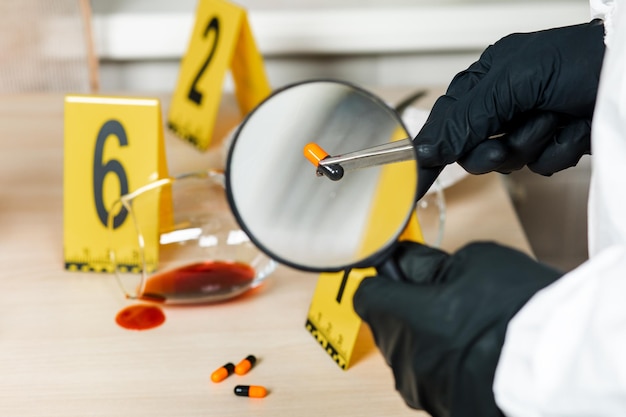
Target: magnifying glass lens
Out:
[296,216]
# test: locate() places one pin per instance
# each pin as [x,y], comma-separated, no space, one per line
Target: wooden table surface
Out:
[62,354]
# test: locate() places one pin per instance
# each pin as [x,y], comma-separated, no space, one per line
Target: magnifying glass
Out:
[306,221]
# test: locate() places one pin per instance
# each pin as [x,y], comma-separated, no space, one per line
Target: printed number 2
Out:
[100,170]
[195,95]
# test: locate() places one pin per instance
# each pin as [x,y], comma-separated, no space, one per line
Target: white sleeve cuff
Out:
[604,9]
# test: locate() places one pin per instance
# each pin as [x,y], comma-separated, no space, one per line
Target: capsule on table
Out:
[223,372]
[252,391]
[245,365]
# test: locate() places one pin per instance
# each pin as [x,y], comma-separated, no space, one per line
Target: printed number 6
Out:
[100,170]
[195,95]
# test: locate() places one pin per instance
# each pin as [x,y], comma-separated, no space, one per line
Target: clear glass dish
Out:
[202,255]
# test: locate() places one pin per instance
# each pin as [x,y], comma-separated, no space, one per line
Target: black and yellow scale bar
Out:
[326,344]
[94,264]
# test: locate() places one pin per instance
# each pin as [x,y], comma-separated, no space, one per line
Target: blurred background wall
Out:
[389,43]
[383,42]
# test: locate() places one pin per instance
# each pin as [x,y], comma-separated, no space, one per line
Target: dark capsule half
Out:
[252,391]
[332,171]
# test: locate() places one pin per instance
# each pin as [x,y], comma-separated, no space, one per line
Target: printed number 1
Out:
[195,95]
[100,170]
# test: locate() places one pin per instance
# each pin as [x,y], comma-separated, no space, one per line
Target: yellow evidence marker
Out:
[221,39]
[112,146]
[331,318]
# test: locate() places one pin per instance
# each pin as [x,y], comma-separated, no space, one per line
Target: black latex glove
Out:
[442,329]
[538,89]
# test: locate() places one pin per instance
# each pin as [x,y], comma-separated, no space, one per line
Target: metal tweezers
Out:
[397,151]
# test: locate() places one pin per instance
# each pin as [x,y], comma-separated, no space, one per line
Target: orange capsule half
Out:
[314,153]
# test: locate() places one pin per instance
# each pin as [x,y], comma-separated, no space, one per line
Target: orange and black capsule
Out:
[314,153]
[252,391]
[245,365]
[223,372]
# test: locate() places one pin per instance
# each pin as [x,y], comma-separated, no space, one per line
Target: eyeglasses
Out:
[186,246]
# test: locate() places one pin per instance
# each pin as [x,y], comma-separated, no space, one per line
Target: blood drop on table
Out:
[203,281]
[140,317]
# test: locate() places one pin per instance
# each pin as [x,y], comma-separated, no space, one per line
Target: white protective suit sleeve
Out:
[565,351]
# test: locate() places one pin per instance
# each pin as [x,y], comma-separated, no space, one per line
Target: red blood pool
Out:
[140,317]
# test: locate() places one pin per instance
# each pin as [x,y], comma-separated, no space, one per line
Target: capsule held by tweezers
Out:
[245,365]
[314,153]
[252,391]
[222,373]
